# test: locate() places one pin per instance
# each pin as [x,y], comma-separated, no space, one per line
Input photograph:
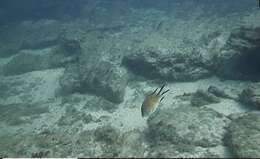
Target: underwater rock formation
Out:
[102,78]
[109,137]
[133,144]
[201,97]
[20,113]
[69,47]
[32,87]
[164,150]
[107,134]
[240,58]
[188,125]
[172,67]
[66,52]
[251,95]
[29,35]
[105,79]
[25,62]
[48,143]
[11,40]
[244,135]
[70,81]
[218,92]
[72,115]
[41,34]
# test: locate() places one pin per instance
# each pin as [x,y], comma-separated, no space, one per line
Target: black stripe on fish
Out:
[161,89]
[154,91]
[161,99]
[165,92]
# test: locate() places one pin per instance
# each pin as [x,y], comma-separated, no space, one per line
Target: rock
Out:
[239,58]
[38,35]
[11,40]
[165,150]
[218,92]
[88,102]
[133,144]
[26,62]
[69,47]
[201,97]
[14,114]
[34,88]
[71,116]
[153,65]
[32,60]
[102,78]
[29,35]
[41,34]
[97,103]
[30,88]
[251,95]
[87,118]
[244,135]
[70,81]
[65,53]
[37,10]
[107,134]
[188,125]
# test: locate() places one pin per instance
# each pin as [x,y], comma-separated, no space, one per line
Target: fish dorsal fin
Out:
[161,89]
[154,91]
[165,92]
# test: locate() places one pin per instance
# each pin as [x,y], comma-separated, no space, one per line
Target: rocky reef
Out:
[239,58]
[250,95]
[153,64]
[244,134]
[101,78]
[188,126]
[72,84]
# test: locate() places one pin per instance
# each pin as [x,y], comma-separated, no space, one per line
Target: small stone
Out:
[107,134]
[218,92]
[251,95]
[201,98]
[87,118]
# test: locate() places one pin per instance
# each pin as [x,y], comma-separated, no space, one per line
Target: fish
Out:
[152,101]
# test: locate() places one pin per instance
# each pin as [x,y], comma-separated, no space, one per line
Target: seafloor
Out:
[74,88]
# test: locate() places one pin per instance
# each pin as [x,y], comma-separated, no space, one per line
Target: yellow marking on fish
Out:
[151,102]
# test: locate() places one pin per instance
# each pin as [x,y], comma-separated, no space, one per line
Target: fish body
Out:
[152,101]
